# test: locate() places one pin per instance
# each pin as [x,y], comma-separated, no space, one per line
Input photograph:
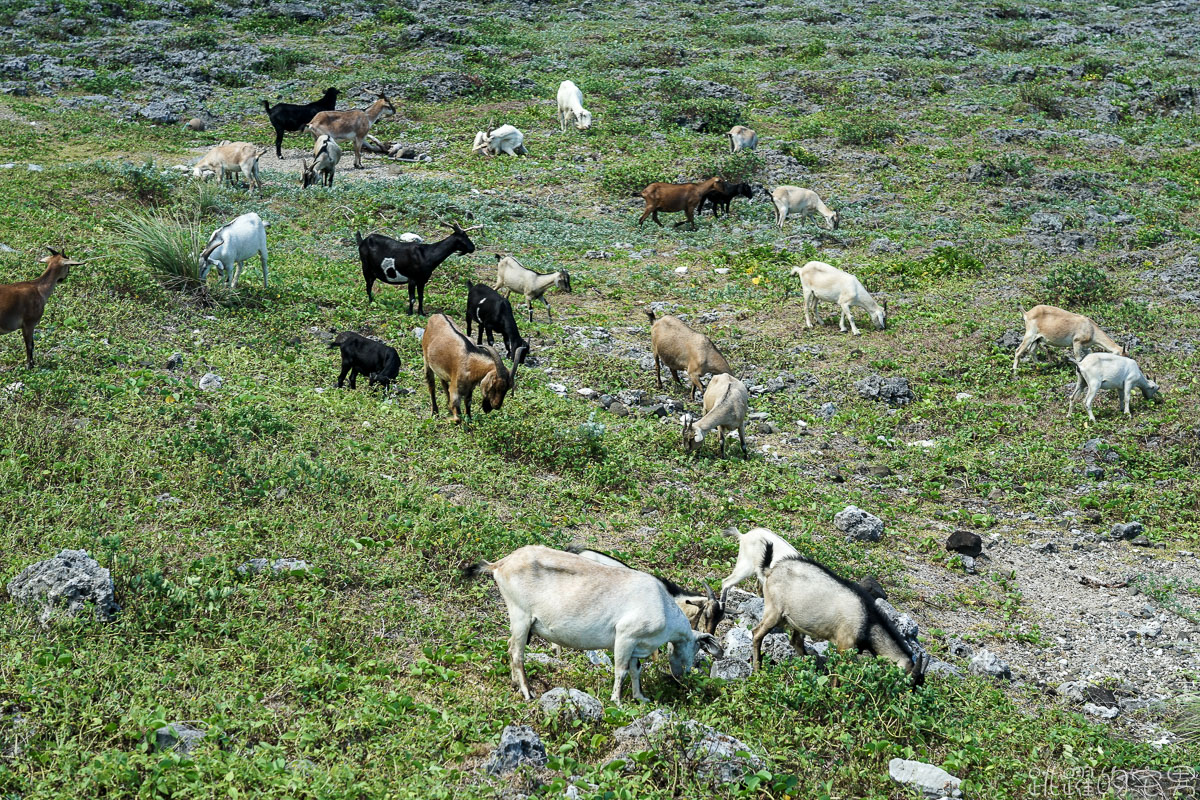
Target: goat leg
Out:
[27,334]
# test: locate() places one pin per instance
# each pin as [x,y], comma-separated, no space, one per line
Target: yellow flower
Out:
[757,280]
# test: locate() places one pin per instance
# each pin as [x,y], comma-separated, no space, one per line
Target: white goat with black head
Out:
[577,603]
[813,600]
[726,401]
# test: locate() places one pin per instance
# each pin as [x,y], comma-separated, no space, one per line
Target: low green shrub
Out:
[626,178]
[705,114]
[1077,284]
[867,130]
[1042,98]
[740,167]
[169,247]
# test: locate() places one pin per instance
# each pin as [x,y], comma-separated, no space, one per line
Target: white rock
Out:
[681,270]
[557,388]
[722,270]
[418,333]
[961,396]
[211,382]
[930,780]
[586,392]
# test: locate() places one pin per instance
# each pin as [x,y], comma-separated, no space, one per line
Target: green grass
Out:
[377,674]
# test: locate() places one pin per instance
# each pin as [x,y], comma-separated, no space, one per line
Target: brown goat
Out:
[462,365]
[671,197]
[681,348]
[344,126]
[22,304]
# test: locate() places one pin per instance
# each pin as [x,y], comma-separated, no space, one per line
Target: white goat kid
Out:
[580,604]
[742,138]
[797,202]
[511,277]
[505,139]
[1109,371]
[821,281]
[230,246]
[570,107]
[752,546]
[726,401]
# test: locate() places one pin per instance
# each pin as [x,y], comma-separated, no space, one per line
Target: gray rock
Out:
[827,411]
[322,335]
[1094,472]
[778,648]
[737,643]
[519,745]
[301,12]
[175,361]
[257,565]
[1011,340]
[571,704]
[5,248]
[165,112]
[931,781]
[965,542]
[715,757]
[599,658]
[178,736]
[883,245]
[656,410]
[1103,712]
[1140,541]
[893,391]
[731,669]
[939,667]
[711,754]
[64,586]
[1046,221]
[858,525]
[211,382]
[906,626]
[988,663]
[618,409]
[657,722]
[960,649]
[1127,530]
[750,613]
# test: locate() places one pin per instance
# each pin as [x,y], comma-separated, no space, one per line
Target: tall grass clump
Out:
[168,246]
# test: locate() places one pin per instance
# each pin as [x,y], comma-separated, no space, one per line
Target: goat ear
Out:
[54,252]
[696,603]
[709,644]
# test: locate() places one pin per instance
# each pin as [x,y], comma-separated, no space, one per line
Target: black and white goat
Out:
[376,360]
[395,262]
[292,117]
[493,314]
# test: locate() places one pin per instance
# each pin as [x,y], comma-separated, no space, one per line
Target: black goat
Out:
[493,314]
[385,259]
[374,359]
[723,199]
[292,117]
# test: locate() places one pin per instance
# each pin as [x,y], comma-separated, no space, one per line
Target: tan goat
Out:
[228,159]
[672,197]
[22,304]
[681,348]
[345,126]
[462,365]
[1061,328]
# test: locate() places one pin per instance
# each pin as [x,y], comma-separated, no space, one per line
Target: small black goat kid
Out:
[391,261]
[493,314]
[374,359]
[717,198]
[292,117]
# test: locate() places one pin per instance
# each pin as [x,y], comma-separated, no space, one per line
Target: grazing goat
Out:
[1061,328]
[741,138]
[570,107]
[461,366]
[228,159]
[820,281]
[230,246]
[704,611]
[511,276]
[797,202]
[493,313]
[813,600]
[681,348]
[751,548]
[726,401]
[505,139]
[292,117]
[672,197]
[577,603]
[22,304]
[326,155]
[1109,371]
[723,199]
[344,126]
[376,360]
[395,262]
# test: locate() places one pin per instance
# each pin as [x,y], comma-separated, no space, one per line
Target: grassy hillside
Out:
[982,156]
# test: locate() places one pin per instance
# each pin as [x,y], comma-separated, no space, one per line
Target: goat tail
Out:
[471,572]
[636,194]
[1023,312]
[650,315]
[267,106]
[764,566]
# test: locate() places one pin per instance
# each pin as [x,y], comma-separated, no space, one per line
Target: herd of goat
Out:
[584,599]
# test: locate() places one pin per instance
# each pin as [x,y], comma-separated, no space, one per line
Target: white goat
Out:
[751,548]
[570,107]
[1060,328]
[726,401]
[1108,371]
[802,203]
[578,603]
[230,158]
[512,277]
[821,281]
[505,139]
[326,155]
[230,246]
[742,138]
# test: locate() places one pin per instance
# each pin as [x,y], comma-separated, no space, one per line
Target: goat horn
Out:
[708,591]
[472,228]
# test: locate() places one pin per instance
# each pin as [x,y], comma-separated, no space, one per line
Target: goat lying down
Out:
[813,600]
[704,611]
[574,602]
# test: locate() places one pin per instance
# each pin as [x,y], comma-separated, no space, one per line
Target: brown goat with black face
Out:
[461,365]
[671,197]
[22,304]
